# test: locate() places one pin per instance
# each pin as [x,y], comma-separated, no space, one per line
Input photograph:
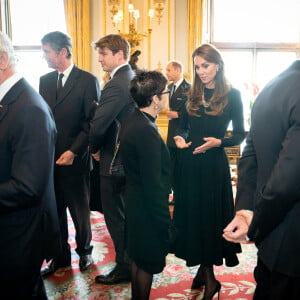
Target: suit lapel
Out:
[182,88]
[52,83]
[3,111]
[177,92]
[70,83]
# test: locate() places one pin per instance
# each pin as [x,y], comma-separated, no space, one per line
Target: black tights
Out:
[141,282]
[206,275]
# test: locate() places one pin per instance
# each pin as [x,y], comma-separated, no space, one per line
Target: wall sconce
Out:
[133,36]
[159,6]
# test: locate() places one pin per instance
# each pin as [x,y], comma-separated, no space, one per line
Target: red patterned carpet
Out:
[173,284]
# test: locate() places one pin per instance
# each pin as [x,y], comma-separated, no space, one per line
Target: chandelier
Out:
[133,36]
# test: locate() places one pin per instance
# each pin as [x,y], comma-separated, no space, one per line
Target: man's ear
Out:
[3,60]
[120,55]
[64,52]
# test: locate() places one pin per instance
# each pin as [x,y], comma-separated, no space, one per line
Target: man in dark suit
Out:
[179,88]
[115,104]
[29,229]
[71,100]
[268,194]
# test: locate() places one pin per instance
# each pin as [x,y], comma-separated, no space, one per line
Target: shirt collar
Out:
[67,72]
[178,83]
[8,84]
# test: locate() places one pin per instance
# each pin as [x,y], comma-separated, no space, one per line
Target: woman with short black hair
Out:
[147,167]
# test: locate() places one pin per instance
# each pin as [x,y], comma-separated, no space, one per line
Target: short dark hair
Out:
[145,85]
[115,43]
[58,41]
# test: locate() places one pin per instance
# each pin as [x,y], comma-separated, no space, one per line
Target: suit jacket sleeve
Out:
[91,94]
[237,117]
[109,107]
[281,192]
[32,158]
[247,176]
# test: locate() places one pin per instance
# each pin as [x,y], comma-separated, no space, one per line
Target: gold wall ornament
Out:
[114,7]
[159,6]
[133,37]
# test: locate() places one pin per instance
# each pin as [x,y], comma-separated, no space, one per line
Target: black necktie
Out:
[59,84]
[173,90]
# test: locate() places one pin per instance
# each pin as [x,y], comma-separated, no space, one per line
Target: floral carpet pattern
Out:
[172,284]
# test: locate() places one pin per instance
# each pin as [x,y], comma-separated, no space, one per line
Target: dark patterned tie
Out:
[59,85]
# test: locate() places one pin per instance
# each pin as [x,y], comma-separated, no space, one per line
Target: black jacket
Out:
[269,172]
[177,102]
[115,103]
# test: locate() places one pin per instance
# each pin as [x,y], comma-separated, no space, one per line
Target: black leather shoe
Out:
[52,267]
[85,262]
[117,275]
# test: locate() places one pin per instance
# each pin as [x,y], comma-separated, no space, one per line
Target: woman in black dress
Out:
[205,201]
[147,166]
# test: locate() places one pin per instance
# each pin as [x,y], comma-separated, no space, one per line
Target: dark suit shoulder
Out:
[25,91]
[24,100]
[49,75]
[119,84]
[124,69]
[81,72]
[185,84]
[75,72]
[124,72]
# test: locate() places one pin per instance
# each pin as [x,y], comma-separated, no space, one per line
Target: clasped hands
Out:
[236,231]
[210,142]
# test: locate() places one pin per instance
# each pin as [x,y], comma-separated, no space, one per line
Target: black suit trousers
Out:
[112,197]
[72,192]
[272,285]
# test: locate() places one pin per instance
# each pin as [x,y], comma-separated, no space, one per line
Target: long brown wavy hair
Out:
[219,98]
